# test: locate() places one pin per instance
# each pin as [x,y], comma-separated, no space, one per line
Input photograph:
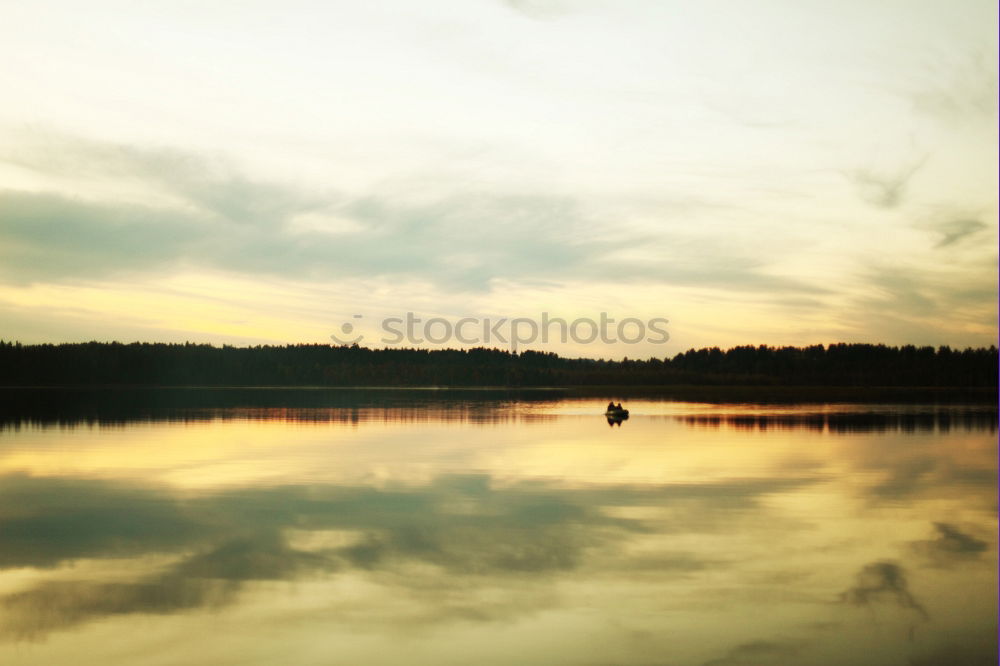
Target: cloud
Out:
[48,237]
[936,304]
[460,243]
[89,519]
[950,547]
[263,555]
[957,87]
[955,230]
[884,189]
[883,581]
[179,211]
[51,606]
[184,181]
[757,652]
[929,472]
[219,544]
[974,651]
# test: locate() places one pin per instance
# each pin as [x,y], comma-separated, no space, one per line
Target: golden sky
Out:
[774,172]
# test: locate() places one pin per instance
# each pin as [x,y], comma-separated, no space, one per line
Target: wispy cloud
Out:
[950,546]
[880,582]
[883,188]
[758,652]
[954,230]
[955,87]
[944,303]
[219,544]
[209,215]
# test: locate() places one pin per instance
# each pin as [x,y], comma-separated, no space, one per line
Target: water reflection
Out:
[616,419]
[120,407]
[108,407]
[454,526]
[683,538]
[891,420]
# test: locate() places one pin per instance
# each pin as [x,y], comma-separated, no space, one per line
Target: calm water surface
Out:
[446,528]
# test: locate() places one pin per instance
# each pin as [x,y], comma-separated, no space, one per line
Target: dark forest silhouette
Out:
[159,364]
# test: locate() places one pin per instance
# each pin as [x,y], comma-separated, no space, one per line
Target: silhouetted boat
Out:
[617,414]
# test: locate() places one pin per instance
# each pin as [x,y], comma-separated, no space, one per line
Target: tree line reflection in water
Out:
[70,407]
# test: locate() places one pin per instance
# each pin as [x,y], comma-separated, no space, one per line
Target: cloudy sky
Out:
[783,172]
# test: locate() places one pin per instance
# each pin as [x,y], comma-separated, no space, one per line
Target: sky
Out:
[769,172]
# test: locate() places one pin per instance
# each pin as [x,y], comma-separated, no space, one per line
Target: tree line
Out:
[188,364]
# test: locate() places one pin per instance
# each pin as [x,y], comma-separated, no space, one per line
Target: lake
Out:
[458,527]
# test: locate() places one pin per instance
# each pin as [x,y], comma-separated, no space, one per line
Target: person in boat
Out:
[611,406]
[618,407]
